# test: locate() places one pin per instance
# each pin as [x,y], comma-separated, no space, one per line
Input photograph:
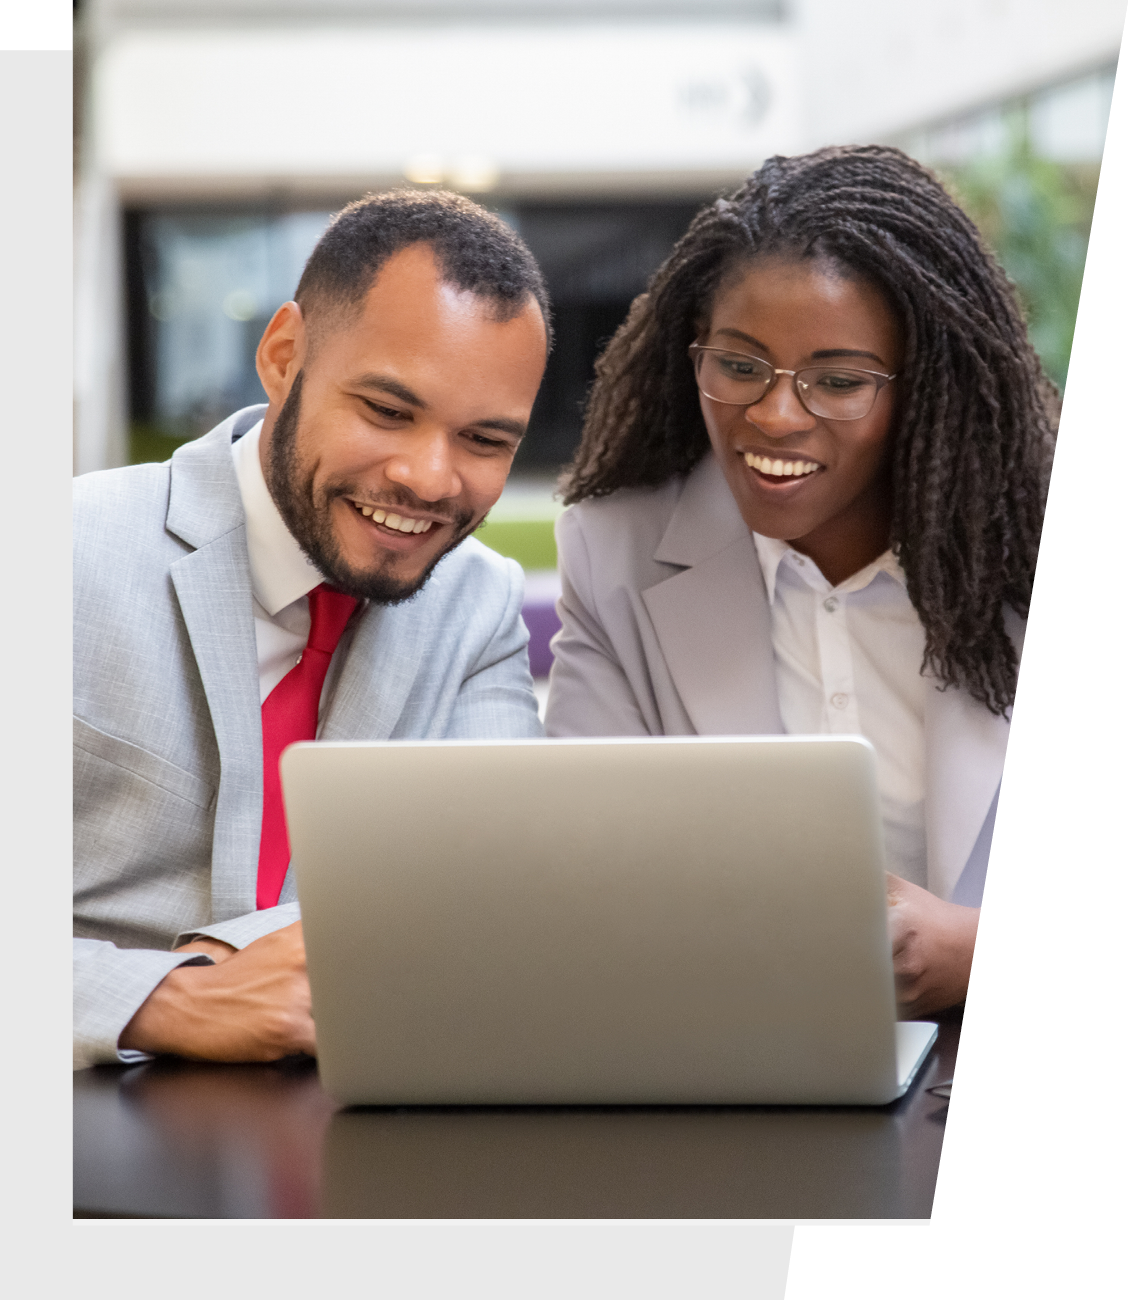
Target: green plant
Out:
[1036,215]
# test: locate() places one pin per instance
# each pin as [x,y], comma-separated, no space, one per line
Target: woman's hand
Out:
[932,946]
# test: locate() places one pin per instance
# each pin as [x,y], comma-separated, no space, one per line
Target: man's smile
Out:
[397,522]
[402,529]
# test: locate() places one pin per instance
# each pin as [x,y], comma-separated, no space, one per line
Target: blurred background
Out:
[214,139]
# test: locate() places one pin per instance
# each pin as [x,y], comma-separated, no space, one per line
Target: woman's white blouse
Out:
[848,661]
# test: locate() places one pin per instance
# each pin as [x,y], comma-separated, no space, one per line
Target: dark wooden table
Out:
[183,1140]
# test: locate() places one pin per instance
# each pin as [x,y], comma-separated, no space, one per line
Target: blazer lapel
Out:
[712,620]
[213,587]
[364,705]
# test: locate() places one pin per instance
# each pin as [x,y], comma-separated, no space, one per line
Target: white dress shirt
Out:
[281,575]
[848,661]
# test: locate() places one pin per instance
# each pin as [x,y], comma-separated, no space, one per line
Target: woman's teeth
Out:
[394,521]
[780,468]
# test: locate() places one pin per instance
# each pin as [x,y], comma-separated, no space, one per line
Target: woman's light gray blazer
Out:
[667,631]
[167,726]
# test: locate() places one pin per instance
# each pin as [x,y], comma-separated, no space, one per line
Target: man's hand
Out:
[253,1006]
[932,946]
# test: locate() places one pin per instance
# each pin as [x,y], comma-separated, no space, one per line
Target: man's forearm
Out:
[253,1005]
[171,1018]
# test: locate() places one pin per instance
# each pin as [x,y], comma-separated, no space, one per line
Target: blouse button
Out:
[839,700]
[830,604]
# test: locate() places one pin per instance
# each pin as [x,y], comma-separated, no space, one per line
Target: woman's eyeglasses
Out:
[832,392]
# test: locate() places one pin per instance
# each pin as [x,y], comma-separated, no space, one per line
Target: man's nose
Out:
[780,413]
[425,466]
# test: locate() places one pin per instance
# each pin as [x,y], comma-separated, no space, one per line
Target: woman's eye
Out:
[739,369]
[839,382]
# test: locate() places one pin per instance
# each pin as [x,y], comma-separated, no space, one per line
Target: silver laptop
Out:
[671,920]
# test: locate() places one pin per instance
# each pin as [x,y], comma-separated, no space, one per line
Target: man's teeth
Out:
[394,521]
[780,468]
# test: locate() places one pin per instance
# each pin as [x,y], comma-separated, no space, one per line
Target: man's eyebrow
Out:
[393,387]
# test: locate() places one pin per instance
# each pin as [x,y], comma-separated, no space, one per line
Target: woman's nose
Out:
[779,413]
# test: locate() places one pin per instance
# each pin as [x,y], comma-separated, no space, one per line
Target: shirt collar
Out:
[280,571]
[772,553]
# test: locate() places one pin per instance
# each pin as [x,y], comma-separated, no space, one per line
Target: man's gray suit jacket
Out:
[167,727]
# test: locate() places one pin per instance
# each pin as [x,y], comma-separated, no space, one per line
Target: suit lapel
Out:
[213,587]
[363,707]
[712,619]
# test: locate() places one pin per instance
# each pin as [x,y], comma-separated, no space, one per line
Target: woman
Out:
[808,499]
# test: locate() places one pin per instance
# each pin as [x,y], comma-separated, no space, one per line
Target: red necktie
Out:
[289,713]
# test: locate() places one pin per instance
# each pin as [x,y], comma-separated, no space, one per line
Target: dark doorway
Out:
[596,259]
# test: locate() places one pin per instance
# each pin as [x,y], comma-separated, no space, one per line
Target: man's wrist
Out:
[156,1022]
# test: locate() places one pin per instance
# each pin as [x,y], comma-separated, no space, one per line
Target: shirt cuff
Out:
[110,985]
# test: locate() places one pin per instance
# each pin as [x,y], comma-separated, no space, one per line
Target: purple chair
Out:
[542,589]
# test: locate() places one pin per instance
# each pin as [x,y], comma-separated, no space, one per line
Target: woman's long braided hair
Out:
[976,415]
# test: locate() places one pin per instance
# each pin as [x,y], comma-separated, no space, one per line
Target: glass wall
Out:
[202,286]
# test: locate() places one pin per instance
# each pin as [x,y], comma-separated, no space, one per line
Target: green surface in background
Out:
[148,444]
[528,541]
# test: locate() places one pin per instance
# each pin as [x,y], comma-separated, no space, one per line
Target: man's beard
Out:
[312,527]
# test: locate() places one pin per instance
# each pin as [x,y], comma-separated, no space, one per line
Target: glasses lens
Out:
[837,394]
[732,376]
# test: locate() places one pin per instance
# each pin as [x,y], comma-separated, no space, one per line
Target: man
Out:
[305,568]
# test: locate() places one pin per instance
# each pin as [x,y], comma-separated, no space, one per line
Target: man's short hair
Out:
[476,252]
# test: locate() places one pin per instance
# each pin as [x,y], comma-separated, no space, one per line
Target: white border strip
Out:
[36,25]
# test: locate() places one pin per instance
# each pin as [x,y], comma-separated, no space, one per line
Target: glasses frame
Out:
[697,349]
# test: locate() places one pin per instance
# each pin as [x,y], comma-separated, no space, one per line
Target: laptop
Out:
[660,921]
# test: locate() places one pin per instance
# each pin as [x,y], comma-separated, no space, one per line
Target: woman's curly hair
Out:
[976,418]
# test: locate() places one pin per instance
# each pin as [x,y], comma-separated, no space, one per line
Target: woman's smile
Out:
[779,470]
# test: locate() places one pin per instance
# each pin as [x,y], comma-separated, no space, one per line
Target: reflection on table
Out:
[180,1139]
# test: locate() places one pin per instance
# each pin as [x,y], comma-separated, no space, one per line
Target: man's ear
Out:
[281,351]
